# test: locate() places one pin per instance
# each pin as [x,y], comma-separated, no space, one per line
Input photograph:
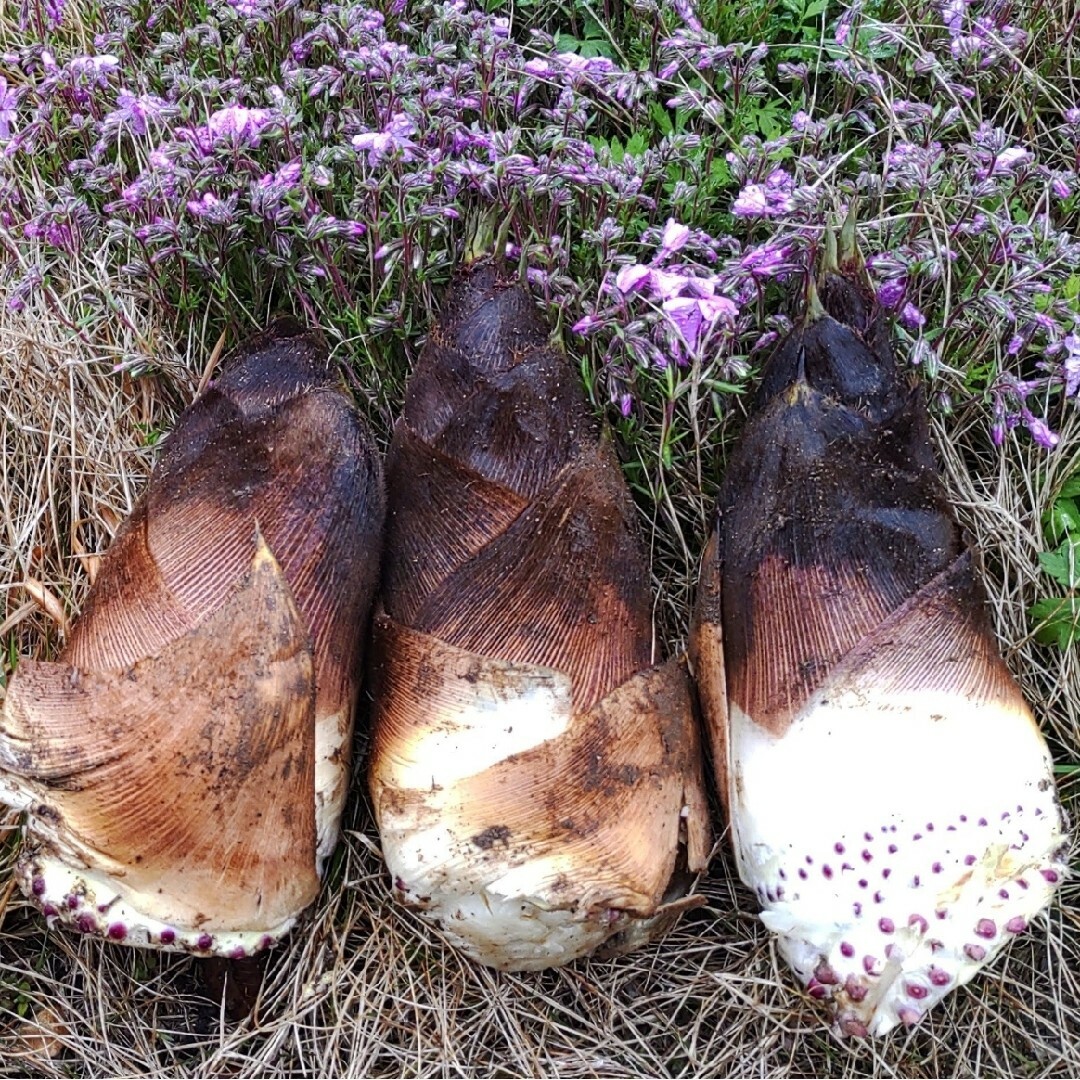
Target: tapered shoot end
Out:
[851,257]
[814,309]
[830,263]
[487,236]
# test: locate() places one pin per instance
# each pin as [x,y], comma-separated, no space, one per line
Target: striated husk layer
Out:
[536,779]
[891,798]
[184,762]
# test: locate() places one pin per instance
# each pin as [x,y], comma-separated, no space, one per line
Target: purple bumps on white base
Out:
[913,873]
[90,903]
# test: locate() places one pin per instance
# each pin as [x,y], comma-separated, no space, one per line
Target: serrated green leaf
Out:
[637,144]
[661,118]
[1057,620]
[1064,564]
[1071,488]
[1063,520]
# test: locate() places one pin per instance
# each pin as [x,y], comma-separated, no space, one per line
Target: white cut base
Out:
[513,933]
[895,844]
[90,903]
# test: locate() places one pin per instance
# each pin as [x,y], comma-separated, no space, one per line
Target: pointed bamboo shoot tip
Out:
[829,261]
[814,307]
[480,236]
[486,236]
[851,257]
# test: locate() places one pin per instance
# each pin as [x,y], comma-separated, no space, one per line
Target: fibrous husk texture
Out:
[891,799]
[185,758]
[536,779]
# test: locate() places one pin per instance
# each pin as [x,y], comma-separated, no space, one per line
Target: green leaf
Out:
[1063,520]
[1057,620]
[661,118]
[1071,488]
[637,144]
[1064,564]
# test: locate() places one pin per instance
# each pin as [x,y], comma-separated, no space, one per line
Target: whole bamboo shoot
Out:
[184,762]
[891,799]
[535,776]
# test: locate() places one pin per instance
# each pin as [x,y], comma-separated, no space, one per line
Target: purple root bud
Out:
[886,926]
[815,989]
[909,1017]
[975,952]
[37,886]
[852,1025]
[86,924]
[117,931]
[939,977]
[1016,925]
[916,991]
[168,936]
[205,941]
[986,928]
[855,990]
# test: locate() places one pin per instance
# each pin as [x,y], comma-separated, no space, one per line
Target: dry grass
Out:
[365,989]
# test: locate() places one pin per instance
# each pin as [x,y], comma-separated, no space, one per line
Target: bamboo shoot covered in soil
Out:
[536,777]
[891,798]
[184,762]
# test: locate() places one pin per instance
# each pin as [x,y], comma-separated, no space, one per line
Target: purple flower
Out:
[1040,432]
[587,65]
[843,27]
[765,200]
[586,325]
[394,137]
[767,261]
[269,192]
[256,10]
[538,68]
[953,12]
[239,124]
[912,318]
[664,284]
[803,123]
[694,317]
[9,100]
[133,111]
[1009,160]
[93,70]
[1070,365]
[891,293]
[1061,184]
[212,209]
[630,278]
[674,238]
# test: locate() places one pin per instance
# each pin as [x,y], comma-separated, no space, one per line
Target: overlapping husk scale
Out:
[891,798]
[184,761]
[535,776]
